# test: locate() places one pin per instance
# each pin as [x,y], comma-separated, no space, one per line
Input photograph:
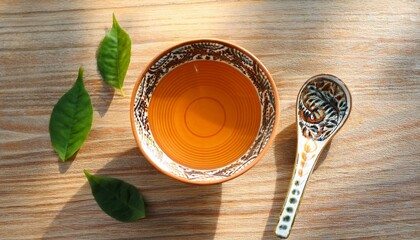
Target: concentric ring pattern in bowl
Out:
[204,111]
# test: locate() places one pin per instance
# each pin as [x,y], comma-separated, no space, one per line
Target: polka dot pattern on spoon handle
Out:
[308,153]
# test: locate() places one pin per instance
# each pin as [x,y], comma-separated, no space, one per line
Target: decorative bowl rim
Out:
[252,162]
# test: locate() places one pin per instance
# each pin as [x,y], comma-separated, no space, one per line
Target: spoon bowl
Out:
[323,106]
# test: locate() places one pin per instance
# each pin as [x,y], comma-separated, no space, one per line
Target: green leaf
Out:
[117,198]
[71,120]
[114,55]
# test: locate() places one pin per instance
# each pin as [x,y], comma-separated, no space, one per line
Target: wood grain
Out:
[365,186]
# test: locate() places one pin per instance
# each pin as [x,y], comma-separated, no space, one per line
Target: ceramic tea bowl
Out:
[204,111]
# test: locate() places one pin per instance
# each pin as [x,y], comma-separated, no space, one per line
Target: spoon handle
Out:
[306,157]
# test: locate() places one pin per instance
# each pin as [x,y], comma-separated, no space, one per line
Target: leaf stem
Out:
[122,92]
[87,174]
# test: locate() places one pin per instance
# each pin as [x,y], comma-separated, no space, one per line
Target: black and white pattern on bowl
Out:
[211,50]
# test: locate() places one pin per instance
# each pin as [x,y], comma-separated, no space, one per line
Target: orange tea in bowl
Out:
[204,111]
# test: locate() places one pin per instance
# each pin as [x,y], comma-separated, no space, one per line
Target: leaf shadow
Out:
[106,95]
[174,209]
[285,151]
[64,166]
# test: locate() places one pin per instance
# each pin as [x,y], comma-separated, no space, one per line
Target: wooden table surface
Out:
[367,185]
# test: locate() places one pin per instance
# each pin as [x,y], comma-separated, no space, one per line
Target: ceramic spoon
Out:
[323,105]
